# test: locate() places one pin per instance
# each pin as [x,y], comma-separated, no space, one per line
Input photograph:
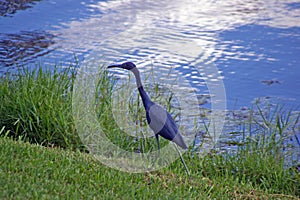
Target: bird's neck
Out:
[136,73]
[145,98]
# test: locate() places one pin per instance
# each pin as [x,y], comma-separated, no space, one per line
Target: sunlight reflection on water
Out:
[195,34]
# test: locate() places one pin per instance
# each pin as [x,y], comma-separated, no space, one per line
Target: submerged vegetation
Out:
[36,107]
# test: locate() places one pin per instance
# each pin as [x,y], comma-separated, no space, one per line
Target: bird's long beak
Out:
[112,66]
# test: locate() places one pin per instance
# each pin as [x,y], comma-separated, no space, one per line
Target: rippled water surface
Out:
[253,47]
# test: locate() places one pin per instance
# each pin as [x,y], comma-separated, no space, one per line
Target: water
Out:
[249,48]
[249,43]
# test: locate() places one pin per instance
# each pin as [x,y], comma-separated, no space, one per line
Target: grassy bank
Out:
[36,172]
[36,107]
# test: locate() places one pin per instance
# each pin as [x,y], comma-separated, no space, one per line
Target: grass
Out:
[42,157]
[36,106]
[37,172]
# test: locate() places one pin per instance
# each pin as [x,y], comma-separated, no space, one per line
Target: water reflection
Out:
[18,48]
[180,33]
[9,7]
[186,35]
[177,33]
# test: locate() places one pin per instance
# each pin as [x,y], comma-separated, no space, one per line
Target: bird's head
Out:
[126,65]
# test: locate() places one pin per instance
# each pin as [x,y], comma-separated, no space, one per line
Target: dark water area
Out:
[227,52]
[24,47]
[25,31]
[8,8]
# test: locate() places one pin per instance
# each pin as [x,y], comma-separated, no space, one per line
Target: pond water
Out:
[249,48]
[253,45]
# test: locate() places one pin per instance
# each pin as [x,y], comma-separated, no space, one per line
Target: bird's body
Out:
[159,120]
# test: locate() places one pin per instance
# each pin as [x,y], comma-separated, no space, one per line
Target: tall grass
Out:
[250,166]
[36,106]
[259,151]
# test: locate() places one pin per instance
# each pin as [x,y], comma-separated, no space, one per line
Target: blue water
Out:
[248,44]
[268,54]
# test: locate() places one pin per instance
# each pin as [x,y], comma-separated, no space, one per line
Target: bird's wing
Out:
[162,123]
[156,117]
[173,132]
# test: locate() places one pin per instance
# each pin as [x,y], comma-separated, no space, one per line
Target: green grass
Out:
[37,172]
[36,106]
[42,157]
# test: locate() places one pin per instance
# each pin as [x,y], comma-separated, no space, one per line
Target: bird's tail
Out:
[178,139]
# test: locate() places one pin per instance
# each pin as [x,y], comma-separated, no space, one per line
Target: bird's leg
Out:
[158,154]
[182,160]
[157,139]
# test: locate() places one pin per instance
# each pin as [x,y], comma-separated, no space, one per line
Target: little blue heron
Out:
[159,120]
